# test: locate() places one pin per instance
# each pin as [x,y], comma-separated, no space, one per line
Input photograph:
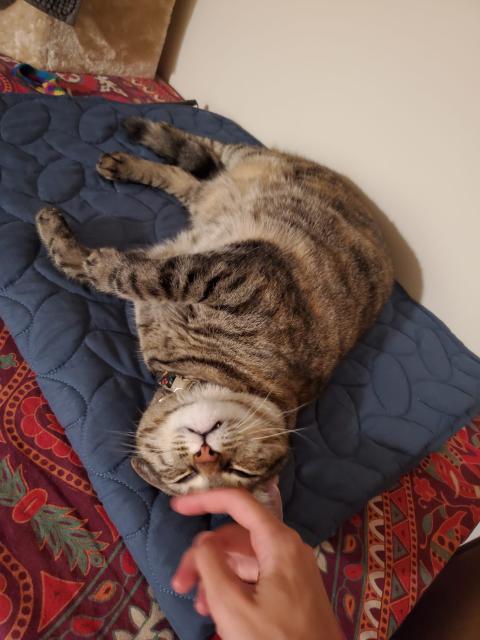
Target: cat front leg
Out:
[64,250]
[105,269]
[230,279]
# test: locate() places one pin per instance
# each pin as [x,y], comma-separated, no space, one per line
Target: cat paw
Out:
[136,128]
[51,224]
[116,166]
[62,247]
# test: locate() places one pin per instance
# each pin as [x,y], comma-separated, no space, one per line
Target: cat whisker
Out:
[135,447]
[119,432]
[278,433]
[251,415]
[121,450]
[256,423]
[125,446]
[251,426]
[283,413]
[300,406]
[294,430]
[270,435]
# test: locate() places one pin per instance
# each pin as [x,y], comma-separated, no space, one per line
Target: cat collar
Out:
[172,382]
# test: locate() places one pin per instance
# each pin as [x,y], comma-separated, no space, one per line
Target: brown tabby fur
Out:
[281,271]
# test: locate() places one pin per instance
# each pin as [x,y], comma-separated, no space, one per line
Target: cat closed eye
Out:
[242,473]
[239,472]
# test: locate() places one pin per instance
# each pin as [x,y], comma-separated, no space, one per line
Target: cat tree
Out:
[116,37]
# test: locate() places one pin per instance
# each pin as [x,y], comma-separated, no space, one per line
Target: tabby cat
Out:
[248,310]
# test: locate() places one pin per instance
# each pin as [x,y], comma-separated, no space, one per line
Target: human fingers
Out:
[270,538]
[239,504]
[201,605]
[235,542]
[186,576]
[223,591]
[232,537]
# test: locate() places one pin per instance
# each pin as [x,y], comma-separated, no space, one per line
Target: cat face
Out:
[209,437]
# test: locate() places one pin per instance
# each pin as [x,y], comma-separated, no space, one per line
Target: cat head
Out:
[210,437]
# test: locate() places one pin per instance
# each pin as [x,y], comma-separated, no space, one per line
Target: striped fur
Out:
[281,270]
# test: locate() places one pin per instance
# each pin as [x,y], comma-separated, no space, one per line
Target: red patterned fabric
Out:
[65,574]
[381,561]
[122,89]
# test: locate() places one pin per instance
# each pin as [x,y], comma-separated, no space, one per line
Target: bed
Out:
[66,573]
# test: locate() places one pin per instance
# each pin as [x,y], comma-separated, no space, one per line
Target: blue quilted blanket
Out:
[402,391]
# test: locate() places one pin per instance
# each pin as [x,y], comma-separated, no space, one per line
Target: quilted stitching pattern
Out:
[405,389]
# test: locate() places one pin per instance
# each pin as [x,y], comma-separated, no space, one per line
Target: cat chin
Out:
[196,411]
[163,402]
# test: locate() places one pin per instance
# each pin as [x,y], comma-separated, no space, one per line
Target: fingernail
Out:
[176,583]
[199,537]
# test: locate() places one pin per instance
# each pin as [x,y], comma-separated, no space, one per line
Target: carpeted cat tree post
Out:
[117,37]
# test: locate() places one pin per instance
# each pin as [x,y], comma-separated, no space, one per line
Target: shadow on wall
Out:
[182,12]
[407,269]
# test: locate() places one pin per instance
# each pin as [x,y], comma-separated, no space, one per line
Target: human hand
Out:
[255,577]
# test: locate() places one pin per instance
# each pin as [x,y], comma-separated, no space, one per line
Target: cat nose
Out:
[206,454]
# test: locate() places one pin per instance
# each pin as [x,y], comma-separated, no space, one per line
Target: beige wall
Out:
[386,92]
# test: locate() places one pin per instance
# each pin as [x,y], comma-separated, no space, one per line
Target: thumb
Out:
[223,590]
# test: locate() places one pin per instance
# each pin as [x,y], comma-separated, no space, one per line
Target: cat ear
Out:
[146,472]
